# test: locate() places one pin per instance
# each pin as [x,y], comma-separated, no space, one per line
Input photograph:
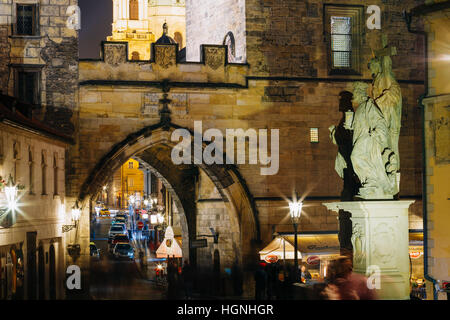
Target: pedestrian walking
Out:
[344,284]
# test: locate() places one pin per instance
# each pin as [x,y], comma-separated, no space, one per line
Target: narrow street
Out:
[113,279]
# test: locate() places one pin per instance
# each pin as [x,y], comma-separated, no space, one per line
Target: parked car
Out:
[113,231]
[120,219]
[122,224]
[94,251]
[123,250]
[122,238]
[122,216]
[105,213]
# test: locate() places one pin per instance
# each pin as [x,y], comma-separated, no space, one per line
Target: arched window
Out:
[134,10]
[135,56]
[44,173]
[31,169]
[16,157]
[55,174]
[230,43]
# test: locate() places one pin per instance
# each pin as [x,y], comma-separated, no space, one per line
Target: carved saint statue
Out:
[376,129]
[387,95]
[372,156]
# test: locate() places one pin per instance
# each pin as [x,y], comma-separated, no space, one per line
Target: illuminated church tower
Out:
[140,23]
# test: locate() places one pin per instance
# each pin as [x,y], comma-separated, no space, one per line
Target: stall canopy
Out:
[170,246]
[307,244]
[275,248]
[317,244]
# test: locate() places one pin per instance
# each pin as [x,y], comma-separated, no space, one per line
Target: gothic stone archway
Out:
[153,145]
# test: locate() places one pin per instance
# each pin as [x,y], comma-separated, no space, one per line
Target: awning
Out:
[317,244]
[170,246]
[275,248]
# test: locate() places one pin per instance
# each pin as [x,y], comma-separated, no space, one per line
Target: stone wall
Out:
[286,38]
[292,106]
[208,22]
[55,49]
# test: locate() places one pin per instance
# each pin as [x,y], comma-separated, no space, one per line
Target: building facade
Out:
[139,23]
[32,242]
[435,105]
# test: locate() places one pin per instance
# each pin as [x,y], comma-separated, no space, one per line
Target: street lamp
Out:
[295,210]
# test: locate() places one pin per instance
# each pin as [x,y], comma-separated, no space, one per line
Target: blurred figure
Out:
[305,276]
[260,282]
[271,271]
[188,279]
[343,284]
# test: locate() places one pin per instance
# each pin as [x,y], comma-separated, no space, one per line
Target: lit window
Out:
[343,25]
[130,165]
[314,135]
[341,41]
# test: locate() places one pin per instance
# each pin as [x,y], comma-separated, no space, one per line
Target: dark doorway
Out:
[52,273]
[31,265]
[41,267]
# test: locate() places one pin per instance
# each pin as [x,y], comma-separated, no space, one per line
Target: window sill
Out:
[18,36]
[343,72]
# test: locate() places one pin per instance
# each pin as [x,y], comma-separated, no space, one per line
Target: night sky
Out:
[96,20]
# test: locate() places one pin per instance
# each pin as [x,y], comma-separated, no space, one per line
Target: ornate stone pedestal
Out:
[380,242]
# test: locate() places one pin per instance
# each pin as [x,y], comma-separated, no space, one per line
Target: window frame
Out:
[356,12]
[136,7]
[35,69]
[35,24]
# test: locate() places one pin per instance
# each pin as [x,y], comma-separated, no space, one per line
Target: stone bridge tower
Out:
[139,23]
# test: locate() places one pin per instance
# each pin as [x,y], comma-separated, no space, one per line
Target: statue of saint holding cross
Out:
[377,122]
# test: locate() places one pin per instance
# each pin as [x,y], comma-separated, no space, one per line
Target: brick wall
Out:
[207,22]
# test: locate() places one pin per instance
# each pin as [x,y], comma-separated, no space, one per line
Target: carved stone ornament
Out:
[383,243]
[165,56]
[359,244]
[115,53]
[214,57]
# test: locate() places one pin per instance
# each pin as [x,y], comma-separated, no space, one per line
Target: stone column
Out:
[380,241]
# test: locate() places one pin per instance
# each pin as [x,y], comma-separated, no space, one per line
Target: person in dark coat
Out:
[260,282]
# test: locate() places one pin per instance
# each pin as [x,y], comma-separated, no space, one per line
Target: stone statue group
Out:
[373,154]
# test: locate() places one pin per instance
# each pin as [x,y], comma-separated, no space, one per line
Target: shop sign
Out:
[271,258]
[313,260]
[415,254]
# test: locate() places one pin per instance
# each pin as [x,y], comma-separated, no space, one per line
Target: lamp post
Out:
[295,210]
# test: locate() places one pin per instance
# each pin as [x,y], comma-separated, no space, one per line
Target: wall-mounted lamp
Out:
[11,194]
[76,213]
